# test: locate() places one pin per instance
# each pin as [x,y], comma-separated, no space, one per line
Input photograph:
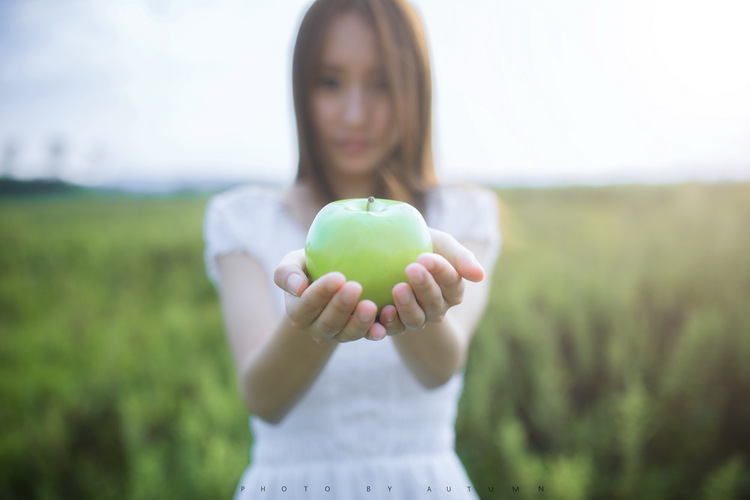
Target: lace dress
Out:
[366,428]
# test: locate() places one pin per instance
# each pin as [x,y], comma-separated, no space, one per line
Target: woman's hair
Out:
[409,172]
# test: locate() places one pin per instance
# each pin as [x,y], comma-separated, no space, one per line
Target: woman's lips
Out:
[353,146]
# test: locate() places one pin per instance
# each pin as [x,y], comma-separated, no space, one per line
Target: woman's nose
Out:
[355,106]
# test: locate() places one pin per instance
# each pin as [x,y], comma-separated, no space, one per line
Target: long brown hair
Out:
[409,173]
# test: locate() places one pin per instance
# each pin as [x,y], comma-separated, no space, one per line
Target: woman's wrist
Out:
[281,371]
[433,353]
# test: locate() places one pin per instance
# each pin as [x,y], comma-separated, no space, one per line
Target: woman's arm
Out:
[278,360]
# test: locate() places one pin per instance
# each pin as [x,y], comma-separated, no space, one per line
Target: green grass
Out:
[613,362]
[116,380]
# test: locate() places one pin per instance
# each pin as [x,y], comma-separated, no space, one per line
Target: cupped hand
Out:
[329,309]
[435,284]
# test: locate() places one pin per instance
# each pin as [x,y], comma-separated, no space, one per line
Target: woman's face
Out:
[351,106]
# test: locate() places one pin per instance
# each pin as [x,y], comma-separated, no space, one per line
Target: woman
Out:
[334,415]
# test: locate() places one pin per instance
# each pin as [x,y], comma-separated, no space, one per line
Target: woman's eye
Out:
[328,82]
[380,85]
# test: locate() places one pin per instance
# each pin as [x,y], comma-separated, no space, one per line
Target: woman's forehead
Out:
[349,39]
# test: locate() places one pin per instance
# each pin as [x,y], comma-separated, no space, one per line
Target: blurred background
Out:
[614,358]
[527,93]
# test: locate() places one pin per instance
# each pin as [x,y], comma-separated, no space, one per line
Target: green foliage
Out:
[613,362]
[115,377]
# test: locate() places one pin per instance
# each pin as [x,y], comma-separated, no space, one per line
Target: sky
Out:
[526,93]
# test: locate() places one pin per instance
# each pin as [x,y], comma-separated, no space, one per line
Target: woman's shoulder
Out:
[467,198]
[235,218]
[247,198]
[241,210]
[467,211]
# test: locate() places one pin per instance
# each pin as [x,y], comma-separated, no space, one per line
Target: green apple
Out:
[369,241]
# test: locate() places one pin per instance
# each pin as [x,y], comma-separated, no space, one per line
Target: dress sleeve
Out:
[220,237]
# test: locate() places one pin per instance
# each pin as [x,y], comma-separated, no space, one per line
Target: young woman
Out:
[347,401]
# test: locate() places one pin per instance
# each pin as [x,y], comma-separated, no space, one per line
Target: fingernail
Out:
[334,281]
[416,276]
[428,263]
[364,316]
[404,298]
[349,297]
[294,283]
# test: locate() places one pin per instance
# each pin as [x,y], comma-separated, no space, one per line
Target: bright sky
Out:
[536,92]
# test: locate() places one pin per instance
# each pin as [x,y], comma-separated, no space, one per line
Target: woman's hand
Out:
[329,308]
[435,285]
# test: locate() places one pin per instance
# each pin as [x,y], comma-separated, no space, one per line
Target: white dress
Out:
[366,428]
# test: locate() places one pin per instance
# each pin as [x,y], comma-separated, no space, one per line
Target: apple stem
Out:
[370,201]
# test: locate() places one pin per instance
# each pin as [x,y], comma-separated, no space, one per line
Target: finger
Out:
[359,322]
[376,332]
[410,313]
[428,293]
[338,311]
[306,308]
[460,257]
[445,275]
[390,321]
[290,274]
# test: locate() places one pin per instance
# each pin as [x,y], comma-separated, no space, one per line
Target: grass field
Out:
[613,361]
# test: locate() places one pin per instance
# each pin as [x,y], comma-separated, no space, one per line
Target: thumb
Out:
[460,257]
[290,273]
